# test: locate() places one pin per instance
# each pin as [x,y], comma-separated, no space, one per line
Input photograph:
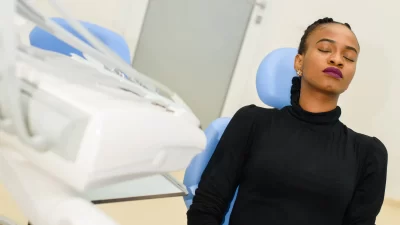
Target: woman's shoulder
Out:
[372,147]
[255,111]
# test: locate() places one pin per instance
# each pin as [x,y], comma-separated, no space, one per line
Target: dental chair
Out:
[44,40]
[273,83]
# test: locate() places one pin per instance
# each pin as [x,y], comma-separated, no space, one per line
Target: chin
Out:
[331,86]
[327,86]
[331,89]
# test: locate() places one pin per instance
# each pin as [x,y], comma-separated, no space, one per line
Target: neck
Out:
[315,101]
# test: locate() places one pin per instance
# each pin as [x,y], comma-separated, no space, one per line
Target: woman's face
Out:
[329,62]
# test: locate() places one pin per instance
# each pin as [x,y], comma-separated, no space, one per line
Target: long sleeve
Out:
[370,191]
[222,174]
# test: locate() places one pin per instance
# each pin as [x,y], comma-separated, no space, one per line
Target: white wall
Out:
[371,105]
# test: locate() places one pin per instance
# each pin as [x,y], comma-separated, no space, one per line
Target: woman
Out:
[299,165]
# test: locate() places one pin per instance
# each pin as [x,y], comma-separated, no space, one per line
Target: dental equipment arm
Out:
[94,41]
[30,13]
[151,89]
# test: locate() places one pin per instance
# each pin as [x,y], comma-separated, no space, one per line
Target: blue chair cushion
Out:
[274,77]
[44,40]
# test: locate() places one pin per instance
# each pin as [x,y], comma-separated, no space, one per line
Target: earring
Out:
[299,73]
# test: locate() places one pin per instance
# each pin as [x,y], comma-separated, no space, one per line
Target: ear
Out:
[298,62]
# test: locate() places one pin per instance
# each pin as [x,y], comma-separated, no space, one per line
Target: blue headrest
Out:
[274,77]
[44,40]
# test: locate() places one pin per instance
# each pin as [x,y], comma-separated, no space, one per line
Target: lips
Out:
[333,72]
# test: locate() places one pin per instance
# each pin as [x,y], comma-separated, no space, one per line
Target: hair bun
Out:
[325,20]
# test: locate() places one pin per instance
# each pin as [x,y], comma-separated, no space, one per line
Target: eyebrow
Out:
[333,42]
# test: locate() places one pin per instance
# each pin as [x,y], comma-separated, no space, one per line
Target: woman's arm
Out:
[370,192]
[221,176]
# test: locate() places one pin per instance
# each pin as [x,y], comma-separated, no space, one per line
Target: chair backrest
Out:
[274,77]
[273,84]
[44,40]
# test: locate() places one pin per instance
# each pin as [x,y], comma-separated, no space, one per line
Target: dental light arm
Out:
[151,89]
[30,13]
[95,42]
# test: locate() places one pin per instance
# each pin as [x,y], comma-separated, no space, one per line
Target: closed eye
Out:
[351,60]
[325,51]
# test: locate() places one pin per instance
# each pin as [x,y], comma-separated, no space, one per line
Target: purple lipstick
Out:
[333,72]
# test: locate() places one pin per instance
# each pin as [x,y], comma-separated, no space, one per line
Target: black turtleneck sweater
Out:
[292,167]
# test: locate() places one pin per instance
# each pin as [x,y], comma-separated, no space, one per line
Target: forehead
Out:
[341,34]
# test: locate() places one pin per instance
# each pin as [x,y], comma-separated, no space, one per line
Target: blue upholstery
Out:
[274,77]
[273,84]
[44,40]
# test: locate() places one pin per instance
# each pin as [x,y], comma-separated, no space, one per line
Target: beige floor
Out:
[169,211]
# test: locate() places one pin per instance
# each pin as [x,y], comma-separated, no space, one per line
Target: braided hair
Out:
[302,47]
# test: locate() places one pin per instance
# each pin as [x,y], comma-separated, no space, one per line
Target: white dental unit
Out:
[68,125]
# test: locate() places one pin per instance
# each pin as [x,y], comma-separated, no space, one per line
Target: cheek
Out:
[313,65]
[350,71]
[314,57]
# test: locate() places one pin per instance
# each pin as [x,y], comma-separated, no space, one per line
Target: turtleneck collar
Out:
[295,110]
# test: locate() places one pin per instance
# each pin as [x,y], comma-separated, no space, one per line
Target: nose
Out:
[336,60]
